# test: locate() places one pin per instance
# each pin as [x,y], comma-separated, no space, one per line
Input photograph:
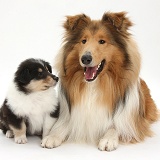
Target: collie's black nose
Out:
[87,58]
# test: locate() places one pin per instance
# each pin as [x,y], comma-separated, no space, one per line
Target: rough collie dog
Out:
[103,99]
[31,105]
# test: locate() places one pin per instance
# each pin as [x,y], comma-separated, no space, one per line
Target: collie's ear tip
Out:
[73,17]
[115,14]
[119,20]
[79,20]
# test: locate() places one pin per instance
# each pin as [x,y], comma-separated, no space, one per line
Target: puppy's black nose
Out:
[55,78]
[87,58]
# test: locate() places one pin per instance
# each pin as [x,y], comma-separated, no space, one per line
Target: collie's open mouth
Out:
[91,73]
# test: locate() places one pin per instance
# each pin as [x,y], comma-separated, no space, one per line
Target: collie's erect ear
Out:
[76,22]
[118,20]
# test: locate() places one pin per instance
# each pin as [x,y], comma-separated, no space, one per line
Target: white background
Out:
[33,28]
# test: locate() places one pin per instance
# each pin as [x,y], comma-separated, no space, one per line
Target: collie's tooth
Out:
[99,65]
[93,75]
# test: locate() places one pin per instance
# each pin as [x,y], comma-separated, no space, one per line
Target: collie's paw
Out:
[9,134]
[51,142]
[21,139]
[109,142]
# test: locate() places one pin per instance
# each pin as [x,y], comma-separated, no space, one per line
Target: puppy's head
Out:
[34,75]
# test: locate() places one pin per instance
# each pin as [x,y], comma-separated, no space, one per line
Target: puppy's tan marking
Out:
[40,70]
[19,134]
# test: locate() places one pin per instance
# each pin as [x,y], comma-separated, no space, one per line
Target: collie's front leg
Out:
[110,141]
[60,130]
[51,141]
[48,124]
[56,136]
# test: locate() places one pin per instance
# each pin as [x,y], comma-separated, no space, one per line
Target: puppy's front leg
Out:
[19,133]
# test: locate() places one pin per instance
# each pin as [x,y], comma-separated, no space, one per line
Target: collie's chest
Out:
[89,117]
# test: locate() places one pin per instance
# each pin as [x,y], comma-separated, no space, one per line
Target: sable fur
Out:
[115,106]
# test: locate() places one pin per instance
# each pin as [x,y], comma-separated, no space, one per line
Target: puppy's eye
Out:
[101,41]
[84,41]
[40,74]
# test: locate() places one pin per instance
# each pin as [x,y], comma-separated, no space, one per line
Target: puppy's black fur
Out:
[29,71]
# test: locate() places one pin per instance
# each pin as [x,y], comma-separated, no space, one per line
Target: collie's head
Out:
[34,75]
[99,52]
[94,48]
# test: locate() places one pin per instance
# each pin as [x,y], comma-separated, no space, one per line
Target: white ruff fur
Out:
[123,118]
[35,106]
[90,122]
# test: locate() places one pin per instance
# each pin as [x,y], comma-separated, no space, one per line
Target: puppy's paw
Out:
[51,142]
[9,134]
[109,142]
[21,139]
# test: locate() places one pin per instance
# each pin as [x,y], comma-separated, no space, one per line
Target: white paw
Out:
[51,142]
[21,139]
[9,134]
[109,142]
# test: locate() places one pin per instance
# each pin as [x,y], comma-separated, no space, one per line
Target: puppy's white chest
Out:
[32,104]
[32,107]
[35,123]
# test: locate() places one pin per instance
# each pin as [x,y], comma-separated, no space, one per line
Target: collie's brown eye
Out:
[101,41]
[84,41]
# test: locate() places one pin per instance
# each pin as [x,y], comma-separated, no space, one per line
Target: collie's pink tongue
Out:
[90,72]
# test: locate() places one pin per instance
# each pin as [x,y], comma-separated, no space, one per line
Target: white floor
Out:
[148,150]
[33,28]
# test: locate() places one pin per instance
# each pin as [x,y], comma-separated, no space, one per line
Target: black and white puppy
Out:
[31,106]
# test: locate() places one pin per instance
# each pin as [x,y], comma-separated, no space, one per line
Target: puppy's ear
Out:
[49,68]
[118,20]
[24,76]
[76,22]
